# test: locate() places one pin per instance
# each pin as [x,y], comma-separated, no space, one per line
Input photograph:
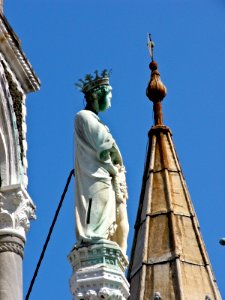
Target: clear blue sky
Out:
[64,40]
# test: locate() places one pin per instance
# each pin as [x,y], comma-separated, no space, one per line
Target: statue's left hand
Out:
[120,186]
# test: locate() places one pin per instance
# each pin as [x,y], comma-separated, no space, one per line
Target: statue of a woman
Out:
[100,191]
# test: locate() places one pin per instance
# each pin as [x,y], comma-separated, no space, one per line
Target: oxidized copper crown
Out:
[90,82]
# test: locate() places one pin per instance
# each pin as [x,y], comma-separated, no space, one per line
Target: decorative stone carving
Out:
[99,257]
[10,168]
[100,181]
[16,208]
[106,293]
[9,46]
[11,247]
[98,272]
[16,211]
[17,98]
[91,295]
[157,296]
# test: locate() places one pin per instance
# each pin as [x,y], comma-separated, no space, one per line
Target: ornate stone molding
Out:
[98,272]
[16,211]
[11,247]
[14,107]
[104,293]
[17,98]
[10,46]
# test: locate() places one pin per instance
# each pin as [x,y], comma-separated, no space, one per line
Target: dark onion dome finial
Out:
[156,90]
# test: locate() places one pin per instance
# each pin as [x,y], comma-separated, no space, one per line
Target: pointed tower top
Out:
[168,259]
[156,90]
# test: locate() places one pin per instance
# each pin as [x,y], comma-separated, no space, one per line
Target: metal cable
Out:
[49,234]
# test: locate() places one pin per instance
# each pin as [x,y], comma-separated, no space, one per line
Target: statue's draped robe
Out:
[95,203]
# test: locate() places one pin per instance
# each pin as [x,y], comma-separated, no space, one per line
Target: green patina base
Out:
[98,270]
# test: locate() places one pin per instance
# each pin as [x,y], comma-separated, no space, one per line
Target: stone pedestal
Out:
[98,272]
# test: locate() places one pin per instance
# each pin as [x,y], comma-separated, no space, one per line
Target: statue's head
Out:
[97,91]
[101,96]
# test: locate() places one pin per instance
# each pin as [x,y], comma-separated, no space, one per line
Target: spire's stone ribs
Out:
[168,255]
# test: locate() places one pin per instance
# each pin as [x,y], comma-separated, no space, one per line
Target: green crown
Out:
[90,82]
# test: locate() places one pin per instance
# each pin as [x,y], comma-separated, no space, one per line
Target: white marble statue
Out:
[100,184]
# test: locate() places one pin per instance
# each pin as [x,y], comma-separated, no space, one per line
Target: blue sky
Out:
[64,40]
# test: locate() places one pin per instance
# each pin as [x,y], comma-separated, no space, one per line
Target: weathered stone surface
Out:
[16,207]
[100,183]
[10,268]
[10,48]
[16,80]
[168,255]
[98,272]
[16,211]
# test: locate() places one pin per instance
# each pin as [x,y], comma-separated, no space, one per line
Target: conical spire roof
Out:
[169,259]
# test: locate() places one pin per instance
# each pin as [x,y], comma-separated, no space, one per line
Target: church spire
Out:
[156,90]
[168,259]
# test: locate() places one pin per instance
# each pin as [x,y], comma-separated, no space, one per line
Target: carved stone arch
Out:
[4,162]
[9,134]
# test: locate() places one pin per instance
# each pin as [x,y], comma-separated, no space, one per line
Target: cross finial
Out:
[150,45]
[156,90]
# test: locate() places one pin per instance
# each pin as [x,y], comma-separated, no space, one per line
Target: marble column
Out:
[11,256]
[16,210]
